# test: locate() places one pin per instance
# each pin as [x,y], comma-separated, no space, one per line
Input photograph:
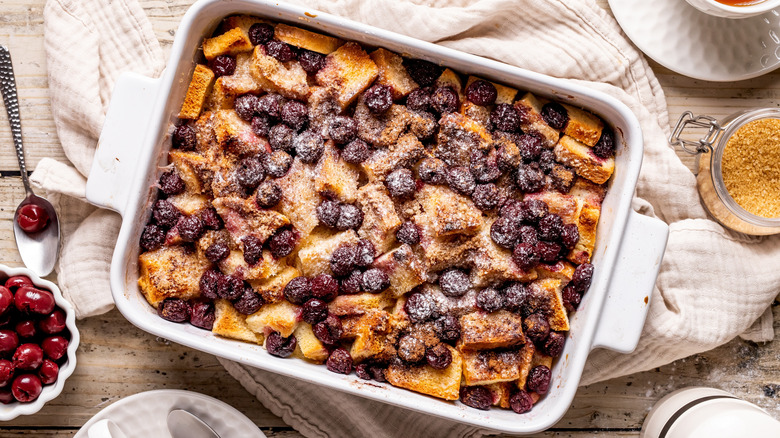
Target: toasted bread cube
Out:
[370,344]
[349,70]
[170,272]
[193,168]
[375,319]
[501,392]
[446,212]
[545,297]
[230,43]
[561,270]
[449,78]
[587,164]
[393,73]
[200,85]
[531,120]
[306,39]
[315,256]
[299,197]
[404,268]
[272,288]
[266,267]
[236,135]
[360,304]
[381,130]
[308,345]
[231,324]
[458,137]
[380,220]
[475,112]
[586,225]
[540,358]
[528,353]
[588,192]
[335,178]
[282,317]
[288,79]
[428,380]
[480,330]
[583,126]
[565,206]
[243,218]
[487,367]
[504,94]
[243,22]
[405,152]
[439,252]
[227,88]
[189,203]
[493,264]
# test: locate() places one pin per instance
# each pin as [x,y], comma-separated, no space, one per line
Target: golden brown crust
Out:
[480,330]
[231,43]
[579,156]
[427,380]
[170,272]
[288,79]
[200,85]
[393,73]
[531,121]
[583,126]
[231,324]
[282,317]
[348,70]
[306,39]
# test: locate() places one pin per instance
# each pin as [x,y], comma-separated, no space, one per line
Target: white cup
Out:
[718,9]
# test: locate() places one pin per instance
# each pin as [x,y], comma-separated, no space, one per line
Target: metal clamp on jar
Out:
[749,217]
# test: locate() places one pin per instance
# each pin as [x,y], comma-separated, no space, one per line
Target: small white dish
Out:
[695,44]
[715,7]
[50,392]
[145,414]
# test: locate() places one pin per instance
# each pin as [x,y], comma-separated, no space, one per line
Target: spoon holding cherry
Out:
[36,228]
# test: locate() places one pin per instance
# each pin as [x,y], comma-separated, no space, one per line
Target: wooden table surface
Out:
[116,360]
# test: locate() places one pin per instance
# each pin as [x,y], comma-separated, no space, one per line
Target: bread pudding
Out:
[377,214]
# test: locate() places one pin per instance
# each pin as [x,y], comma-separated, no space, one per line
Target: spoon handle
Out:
[11,101]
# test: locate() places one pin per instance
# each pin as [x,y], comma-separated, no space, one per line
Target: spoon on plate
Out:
[184,424]
[36,227]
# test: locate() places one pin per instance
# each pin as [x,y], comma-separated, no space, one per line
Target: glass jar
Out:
[709,150]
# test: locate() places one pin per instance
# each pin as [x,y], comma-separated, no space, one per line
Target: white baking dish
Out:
[135,140]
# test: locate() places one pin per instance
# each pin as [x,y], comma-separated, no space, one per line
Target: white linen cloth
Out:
[714,284]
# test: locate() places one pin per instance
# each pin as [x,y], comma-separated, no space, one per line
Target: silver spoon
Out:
[38,249]
[184,424]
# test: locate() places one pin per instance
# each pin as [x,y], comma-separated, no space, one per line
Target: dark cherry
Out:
[411,349]
[490,300]
[184,138]
[550,227]
[375,280]
[481,93]
[419,307]
[419,100]
[505,232]
[445,100]
[6,396]
[280,346]
[529,235]
[6,372]
[246,106]
[190,228]
[277,163]
[505,117]
[298,290]
[447,328]
[253,249]
[562,177]
[486,197]
[355,152]
[438,356]
[460,180]
[352,284]
[525,256]
[555,115]
[324,287]
[328,212]
[295,114]
[350,217]
[329,331]
[423,72]
[408,233]
[32,218]
[553,346]
[17,281]
[454,282]
[533,210]
[280,138]
[365,253]
[26,387]
[312,62]
[570,235]
[343,260]
[361,370]
[165,213]
[309,146]
[529,178]
[174,309]
[26,329]
[549,252]
[484,168]
[260,33]
[249,302]
[400,183]
[547,160]
[478,397]
[571,298]
[171,183]
[515,297]
[378,99]
[282,243]
[521,402]
[211,219]
[223,65]
[342,129]
[48,372]
[203,315]
[268,194]
[433,171]
[530,146]
[314,311]
[539,379]
[377,373]
[29,356]
[9,341]
[279,50]
[271,105]
[605,147]
[536,327]
[250,173]
[582,277]
[31,300]
[6,299]
[52,323]
[217,252]
[261,126]
[339,361]
[230,287]
[209,284]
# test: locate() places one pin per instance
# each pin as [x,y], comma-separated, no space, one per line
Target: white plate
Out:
[690,42]
[145,414]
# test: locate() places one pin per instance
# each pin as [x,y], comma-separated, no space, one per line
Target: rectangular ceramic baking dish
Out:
[136,137]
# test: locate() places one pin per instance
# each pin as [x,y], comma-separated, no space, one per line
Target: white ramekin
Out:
[718,9]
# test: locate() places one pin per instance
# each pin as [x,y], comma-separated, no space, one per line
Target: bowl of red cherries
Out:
[38,341]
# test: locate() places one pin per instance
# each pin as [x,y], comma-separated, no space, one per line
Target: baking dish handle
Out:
[628,297]
[121,140]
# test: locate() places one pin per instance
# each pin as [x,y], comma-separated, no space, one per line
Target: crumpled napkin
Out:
[714,284]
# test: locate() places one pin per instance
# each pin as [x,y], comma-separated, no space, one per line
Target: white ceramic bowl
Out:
[134,144]
[718,9]
[49,392]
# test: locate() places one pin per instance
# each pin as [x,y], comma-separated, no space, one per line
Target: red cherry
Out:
[48,372]
[6,372]
[53,323]
[32,218]
[6,396]
[28,357]
[26,329]
[26,387]
[8,342]
[6,299]
[18,281]
[31,300]
[55,347]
